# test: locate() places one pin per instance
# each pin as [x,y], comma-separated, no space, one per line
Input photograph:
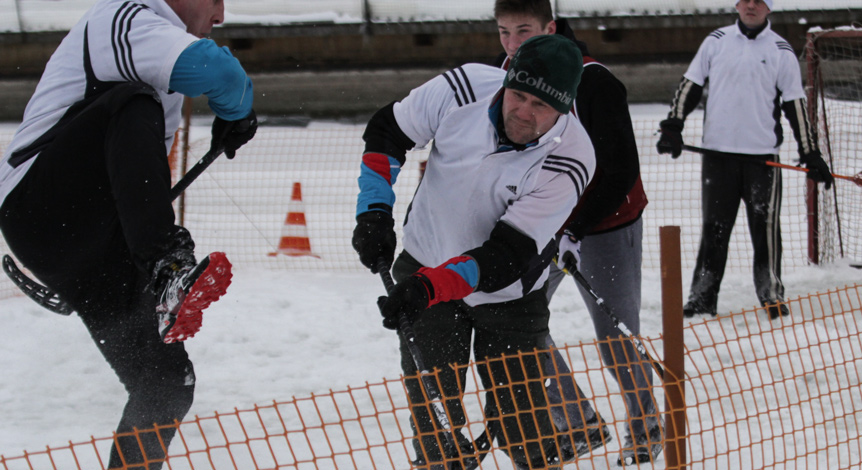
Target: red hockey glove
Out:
[452,280]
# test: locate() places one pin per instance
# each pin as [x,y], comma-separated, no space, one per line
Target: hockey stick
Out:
[482,445]
[857,179]
[39,293]
[619,325]
[49,299]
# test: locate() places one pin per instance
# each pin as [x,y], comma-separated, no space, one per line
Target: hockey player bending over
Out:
[506,168]
[86,200]
[750,70]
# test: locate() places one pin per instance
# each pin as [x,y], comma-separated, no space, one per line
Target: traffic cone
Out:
[294,234]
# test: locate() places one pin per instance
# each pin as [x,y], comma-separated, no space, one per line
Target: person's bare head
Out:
[540,10]
[199,16]
[519,20]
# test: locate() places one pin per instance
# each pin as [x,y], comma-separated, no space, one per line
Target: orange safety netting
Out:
[758,393]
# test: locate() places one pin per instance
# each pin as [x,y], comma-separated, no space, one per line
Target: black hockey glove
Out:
[671,137]
[233,134]
[374,238]
[818,170]
[409,297]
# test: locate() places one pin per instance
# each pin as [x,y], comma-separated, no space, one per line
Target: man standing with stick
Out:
[86,197]
[753,74]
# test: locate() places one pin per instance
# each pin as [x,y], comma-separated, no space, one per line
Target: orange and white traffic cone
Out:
[294,234]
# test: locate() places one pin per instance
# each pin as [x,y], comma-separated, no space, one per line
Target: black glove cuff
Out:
[377,217]
[810,157]
[671,125]
[428,285]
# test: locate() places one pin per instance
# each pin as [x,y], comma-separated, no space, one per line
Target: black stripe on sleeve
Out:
[120,43]
[784,45]
[114,45]
[574,169]
[454,88]
[467,83]
[132,71]
[460,84]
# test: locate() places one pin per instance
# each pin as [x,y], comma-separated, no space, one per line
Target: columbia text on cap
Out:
[548,67]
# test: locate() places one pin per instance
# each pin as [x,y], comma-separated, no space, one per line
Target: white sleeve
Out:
[135,44]
[543,211]
[419,114]
[789,77]
[698,70]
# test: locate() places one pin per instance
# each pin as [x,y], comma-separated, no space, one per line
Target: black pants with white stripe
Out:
[88,215]
[725,180]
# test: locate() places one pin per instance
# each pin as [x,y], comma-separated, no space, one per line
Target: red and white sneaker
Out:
[187,293]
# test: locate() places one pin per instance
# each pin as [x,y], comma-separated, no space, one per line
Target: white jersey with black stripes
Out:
[472,182]
[126,41]
[747,81]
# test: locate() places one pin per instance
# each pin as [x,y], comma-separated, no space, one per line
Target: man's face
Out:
[515,29]
[199,16]
[752,13]
[526,117]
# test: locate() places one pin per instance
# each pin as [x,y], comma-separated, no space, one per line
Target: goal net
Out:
[835,105]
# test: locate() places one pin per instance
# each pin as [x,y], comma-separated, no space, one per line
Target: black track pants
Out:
[89,218]
[725,181]
[444,333]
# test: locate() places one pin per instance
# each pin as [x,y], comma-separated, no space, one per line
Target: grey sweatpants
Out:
[611,263]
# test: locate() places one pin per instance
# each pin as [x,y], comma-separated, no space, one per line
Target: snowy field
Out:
[278,334]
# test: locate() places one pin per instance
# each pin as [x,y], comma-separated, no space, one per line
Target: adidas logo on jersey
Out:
[514,189]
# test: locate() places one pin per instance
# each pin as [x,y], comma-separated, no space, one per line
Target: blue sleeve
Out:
[377,175]
[205,69]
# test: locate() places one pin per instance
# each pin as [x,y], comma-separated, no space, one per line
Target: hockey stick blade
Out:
[50,300]
[35,291]
[470,454]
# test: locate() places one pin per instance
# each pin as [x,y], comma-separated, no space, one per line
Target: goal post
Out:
[834,88]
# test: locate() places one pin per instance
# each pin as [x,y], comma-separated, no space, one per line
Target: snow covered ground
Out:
[274,336]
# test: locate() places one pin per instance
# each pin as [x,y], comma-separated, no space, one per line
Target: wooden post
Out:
[674,351]
[811,197]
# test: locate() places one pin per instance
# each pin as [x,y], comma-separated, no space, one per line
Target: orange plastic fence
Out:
[759,394]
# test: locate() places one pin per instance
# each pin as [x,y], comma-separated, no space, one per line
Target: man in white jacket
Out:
[507,166]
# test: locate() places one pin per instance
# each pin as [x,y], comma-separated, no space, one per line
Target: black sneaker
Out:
[776,309]
[693,308]
[187,292]
[581,443]
[645,448]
